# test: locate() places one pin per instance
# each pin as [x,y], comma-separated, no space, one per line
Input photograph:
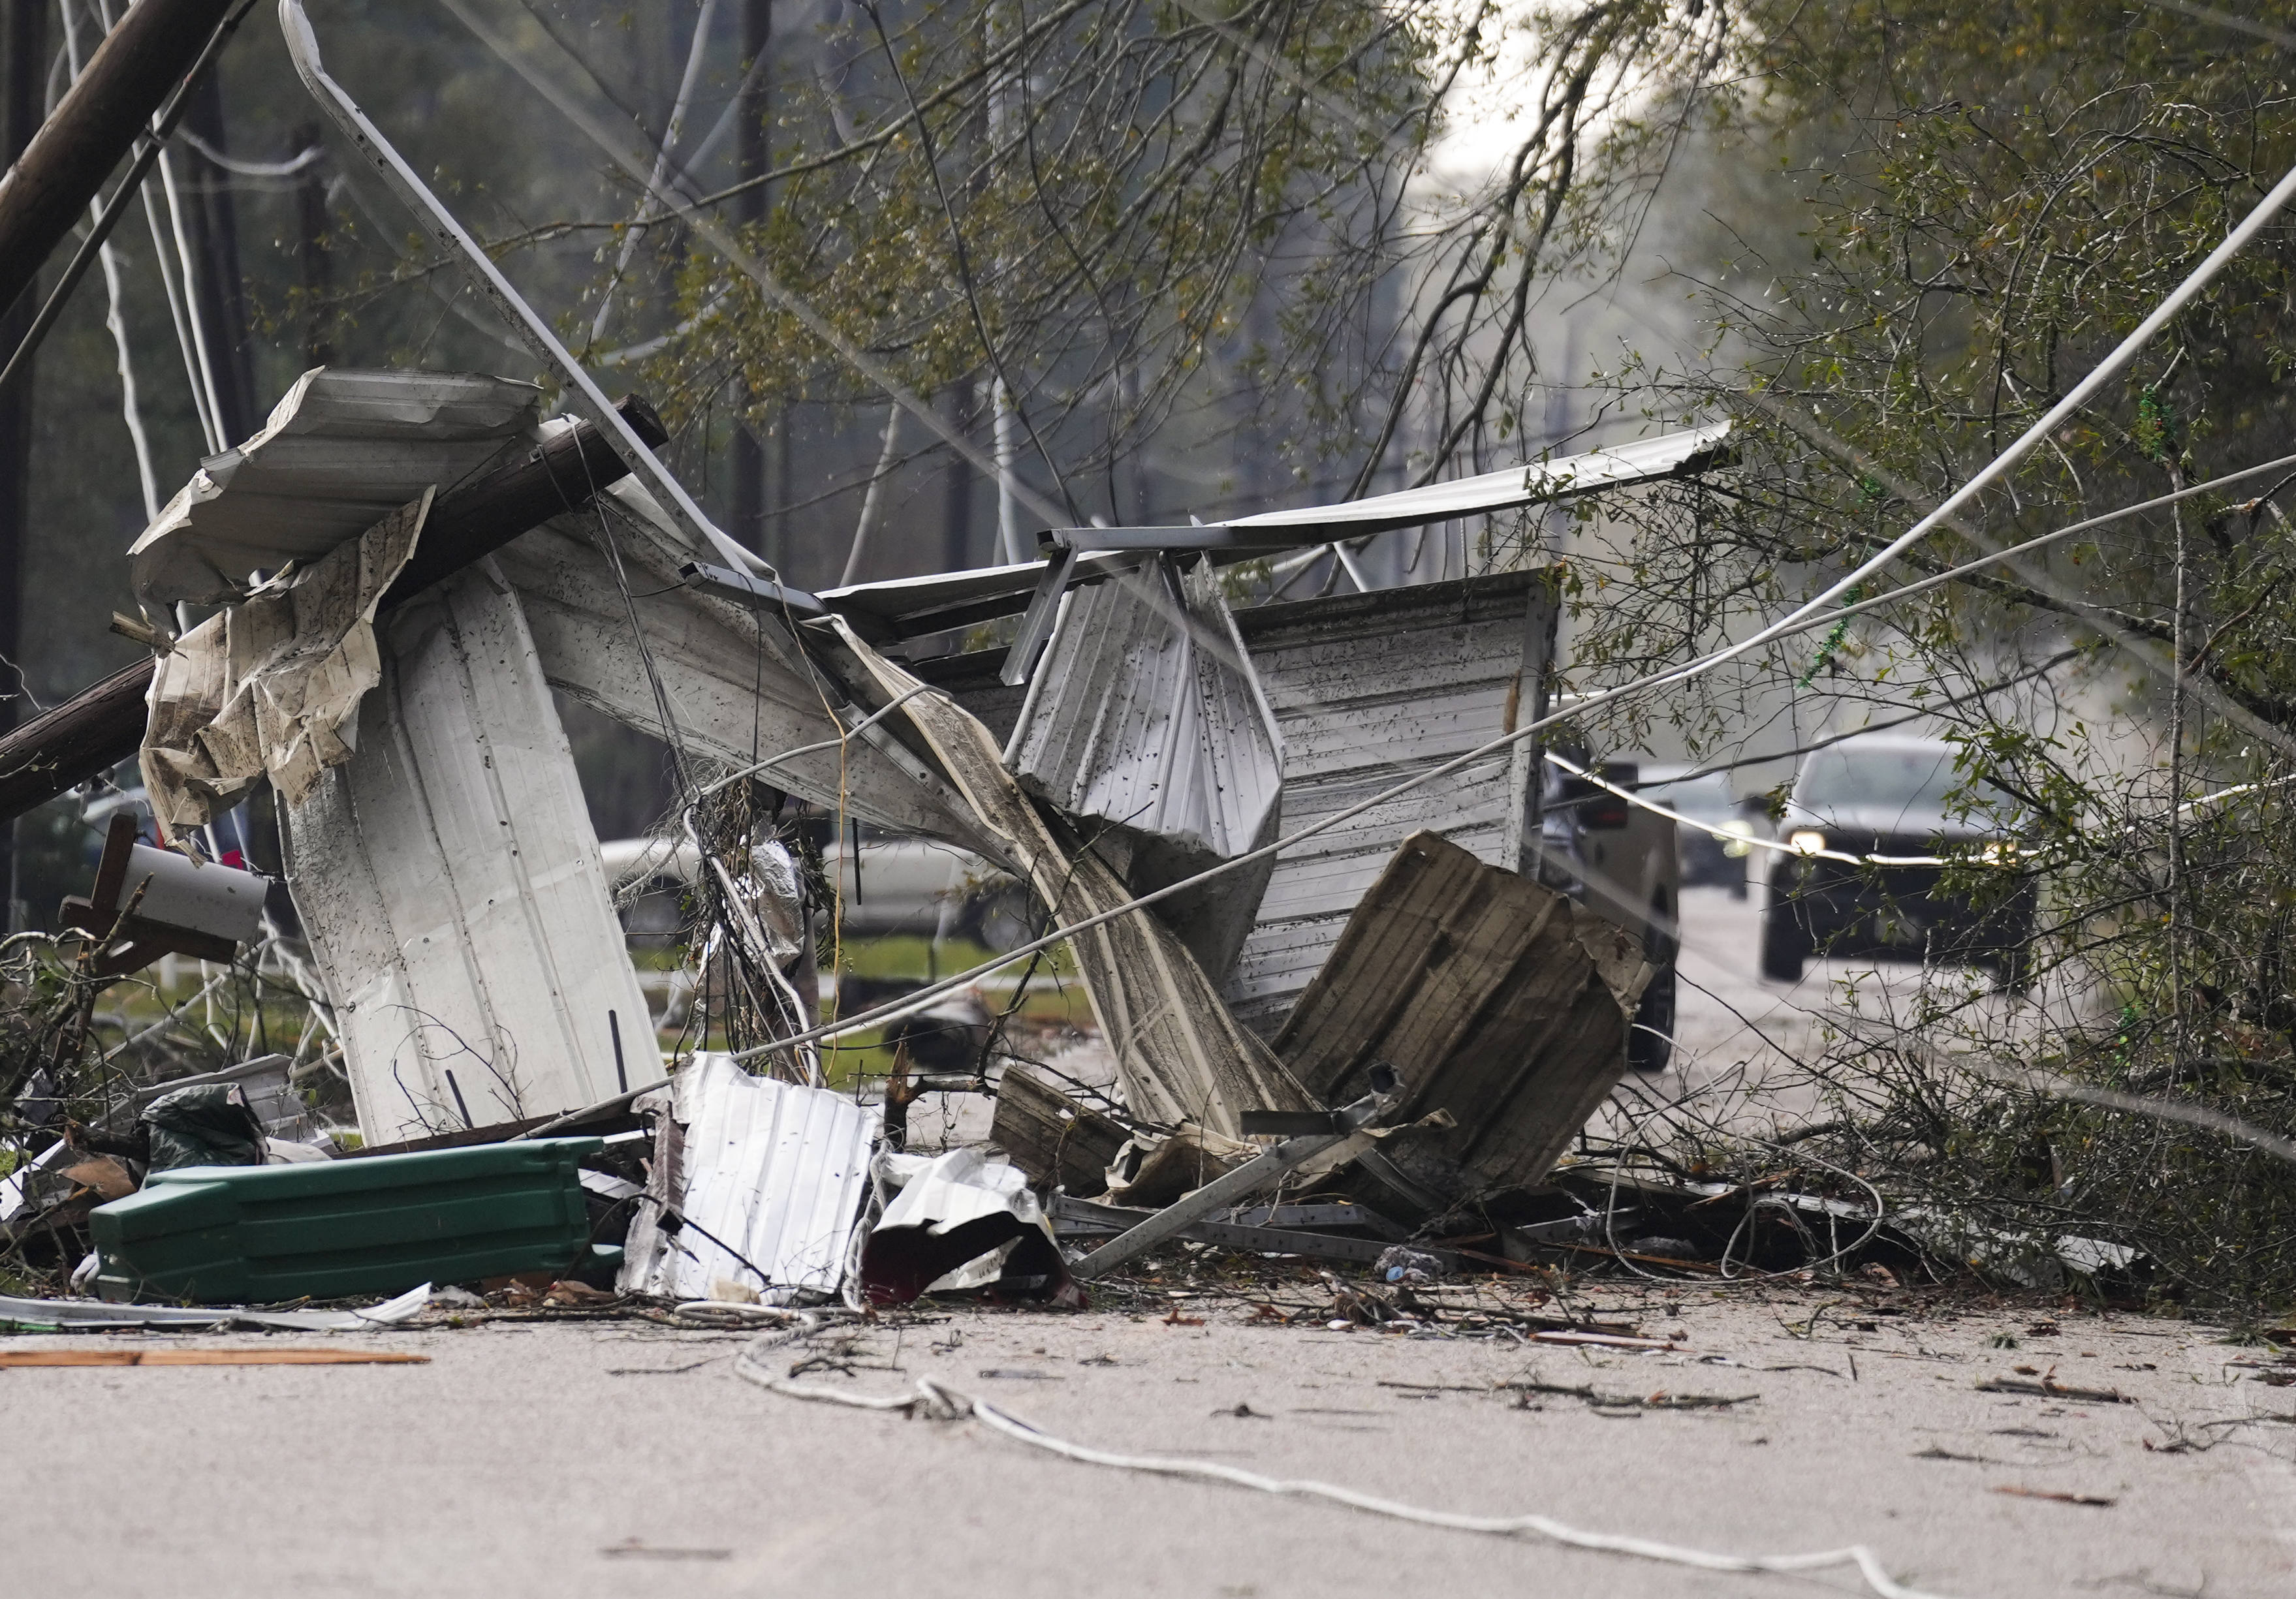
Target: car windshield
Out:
[1894,777]
[1705,797]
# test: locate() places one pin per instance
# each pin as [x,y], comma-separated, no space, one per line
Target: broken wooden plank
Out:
[50,1357]
[1500,1001]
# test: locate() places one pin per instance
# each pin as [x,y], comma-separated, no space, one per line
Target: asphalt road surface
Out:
[621,1458]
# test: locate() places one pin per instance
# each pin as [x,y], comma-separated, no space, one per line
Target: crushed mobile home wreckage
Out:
[1290,847]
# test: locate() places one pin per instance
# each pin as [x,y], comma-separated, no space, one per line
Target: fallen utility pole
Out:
[92,242]
[100,726]
[45,193]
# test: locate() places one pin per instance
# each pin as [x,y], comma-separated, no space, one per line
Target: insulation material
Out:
[1180,1056]
[747,1171]
[343,449]
[712,667]
[273,684]
[1500,1003]
[1145,720]
[1369,689]
[451,886]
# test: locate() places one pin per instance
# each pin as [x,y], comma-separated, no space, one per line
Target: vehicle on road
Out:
[1707,860]
[1887,795]
[1621,860]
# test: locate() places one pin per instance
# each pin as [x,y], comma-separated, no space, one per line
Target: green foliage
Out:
[1985,202]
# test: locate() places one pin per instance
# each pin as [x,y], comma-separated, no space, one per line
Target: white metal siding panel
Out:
[451,885]
[1365,695]
[771,1167]
[343,449]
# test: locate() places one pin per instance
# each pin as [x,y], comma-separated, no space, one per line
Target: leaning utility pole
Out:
[45,193]
[23,37]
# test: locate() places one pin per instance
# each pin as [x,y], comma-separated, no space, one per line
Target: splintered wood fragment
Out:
[1500,1001]
[1609,1341]
[2097,1500]
[1052,1138]
[31,1357]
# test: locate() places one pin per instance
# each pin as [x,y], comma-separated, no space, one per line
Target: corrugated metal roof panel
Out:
[771,1167]
[340,451]
[1144,715]
[1144,718]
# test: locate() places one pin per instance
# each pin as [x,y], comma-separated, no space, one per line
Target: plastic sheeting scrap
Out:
[756,1184]
[273,686]
[961,1221]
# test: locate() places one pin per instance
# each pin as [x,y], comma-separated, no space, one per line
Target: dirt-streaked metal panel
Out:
[771,1169]
[1368,690]
[343,449]
[451,885]
[731,699]
[1502,1003]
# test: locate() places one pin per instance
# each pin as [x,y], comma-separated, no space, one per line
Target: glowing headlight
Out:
[1738,843]
[1806,840]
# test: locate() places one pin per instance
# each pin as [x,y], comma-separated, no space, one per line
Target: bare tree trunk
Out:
[220,295]
[25,43]
[318,270]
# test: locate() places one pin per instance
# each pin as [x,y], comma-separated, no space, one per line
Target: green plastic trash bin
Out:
[329,1229]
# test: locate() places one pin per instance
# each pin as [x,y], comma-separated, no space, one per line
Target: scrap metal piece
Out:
[911,607]
[755,1186]
[1368,689]
[1180,1056]
[1644,461]
[1147,727]
[1052,1138]
[1504,1004]
[450,883]
[961,1221]
[1244,1181]
[343,448]
[327,1229]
